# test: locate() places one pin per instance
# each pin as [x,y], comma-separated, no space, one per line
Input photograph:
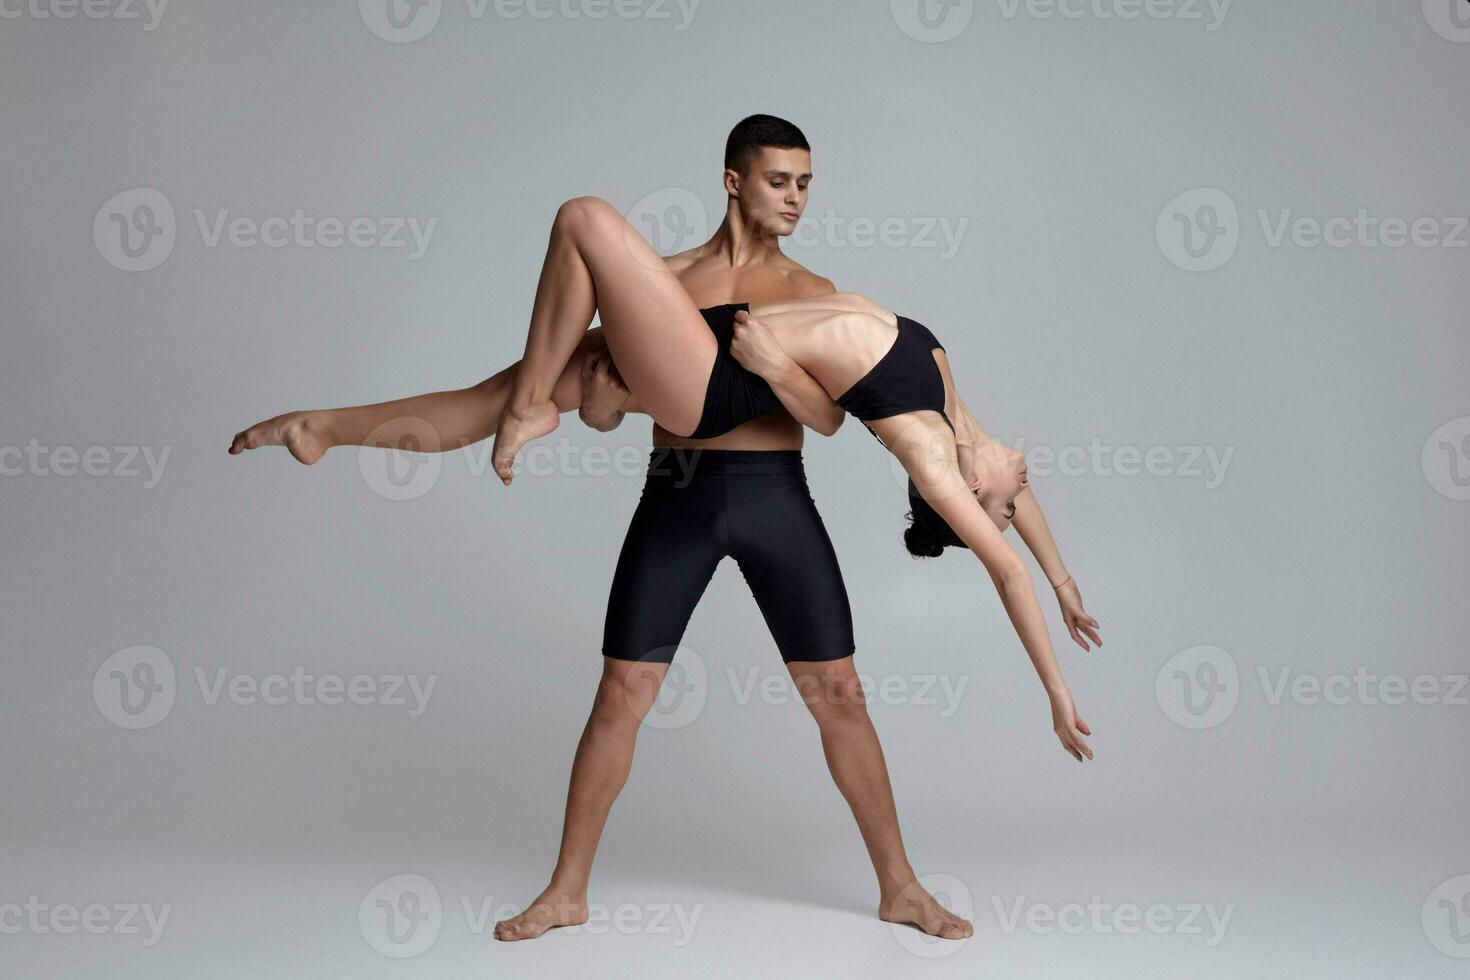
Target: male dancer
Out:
[767,172]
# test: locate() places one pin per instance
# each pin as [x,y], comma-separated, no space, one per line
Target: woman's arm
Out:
[1031,524]
[946,491]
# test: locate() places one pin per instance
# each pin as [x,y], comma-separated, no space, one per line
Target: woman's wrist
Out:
[1064,581]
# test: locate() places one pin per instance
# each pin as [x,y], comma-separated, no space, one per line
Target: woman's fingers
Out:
[1092,634]
[1076,636]
[1082,727]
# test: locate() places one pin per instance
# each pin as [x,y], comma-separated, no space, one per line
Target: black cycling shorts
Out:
[700,505]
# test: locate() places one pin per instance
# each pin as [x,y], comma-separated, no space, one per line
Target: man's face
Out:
[773,191]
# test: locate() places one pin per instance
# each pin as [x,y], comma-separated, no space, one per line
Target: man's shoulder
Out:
[808,283]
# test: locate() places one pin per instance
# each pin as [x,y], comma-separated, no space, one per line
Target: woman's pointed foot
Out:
[518,427]
[297,431]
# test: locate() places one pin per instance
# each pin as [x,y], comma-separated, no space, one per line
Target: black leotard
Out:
[733,395]
[905,379]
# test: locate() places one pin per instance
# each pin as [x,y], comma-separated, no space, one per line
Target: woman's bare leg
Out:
[596,261]
[441,421]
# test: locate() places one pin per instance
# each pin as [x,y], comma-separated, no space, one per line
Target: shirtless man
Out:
[766,178]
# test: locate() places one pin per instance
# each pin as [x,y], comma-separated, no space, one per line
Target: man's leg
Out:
[604,757]
[791,567]
[668,556]
[833,693]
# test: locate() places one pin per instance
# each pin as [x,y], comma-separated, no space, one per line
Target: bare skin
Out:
[741,262]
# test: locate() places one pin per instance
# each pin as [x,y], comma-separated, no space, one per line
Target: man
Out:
[766,178]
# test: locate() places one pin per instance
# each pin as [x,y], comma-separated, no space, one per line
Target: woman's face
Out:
[997,474]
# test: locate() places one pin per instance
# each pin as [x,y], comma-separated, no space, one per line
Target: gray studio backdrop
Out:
[1205,263]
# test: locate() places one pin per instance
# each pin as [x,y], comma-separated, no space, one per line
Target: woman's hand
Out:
[1076,618]
[1068,726]
[603,391]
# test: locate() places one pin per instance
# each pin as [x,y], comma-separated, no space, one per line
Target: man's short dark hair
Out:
[753,133]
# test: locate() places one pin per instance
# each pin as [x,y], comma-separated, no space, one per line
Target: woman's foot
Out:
[913,905]
[519,426]
[297,431]
[551,909]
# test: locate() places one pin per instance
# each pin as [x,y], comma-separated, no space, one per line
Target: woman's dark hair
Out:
[753,133]
[928,534]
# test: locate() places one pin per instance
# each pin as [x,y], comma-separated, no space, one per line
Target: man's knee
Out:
[834,698]
[626,693]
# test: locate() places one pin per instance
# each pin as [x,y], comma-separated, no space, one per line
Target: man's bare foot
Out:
[297,431]
[549,910]
[518,427]
[913,905]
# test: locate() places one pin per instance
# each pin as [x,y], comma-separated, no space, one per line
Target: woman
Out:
[675,362]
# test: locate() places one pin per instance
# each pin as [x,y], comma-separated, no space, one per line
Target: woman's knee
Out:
[583,212]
